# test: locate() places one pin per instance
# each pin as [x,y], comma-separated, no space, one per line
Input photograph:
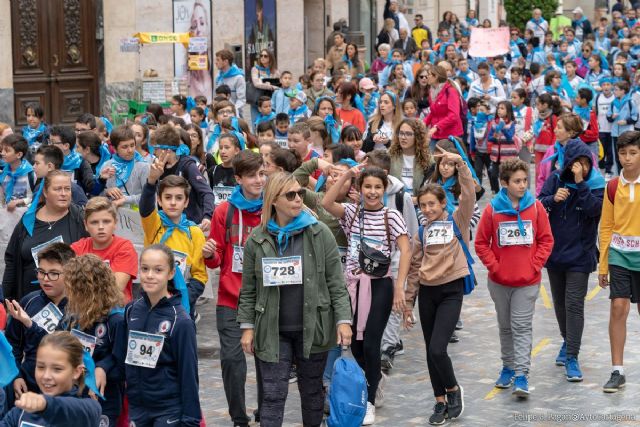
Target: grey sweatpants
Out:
[515,307]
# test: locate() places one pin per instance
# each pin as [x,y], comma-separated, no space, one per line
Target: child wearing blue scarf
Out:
[229,74]
[36,131]
[265,113]
[513,241]
[17,178]
[123,177]
[573,198]
[171,227]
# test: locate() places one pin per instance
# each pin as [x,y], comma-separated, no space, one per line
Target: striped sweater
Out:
[503,144]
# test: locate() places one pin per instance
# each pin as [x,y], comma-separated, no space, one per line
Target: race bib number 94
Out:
[282,271]
[144,349]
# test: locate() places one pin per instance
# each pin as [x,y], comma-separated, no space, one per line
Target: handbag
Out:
[372,261]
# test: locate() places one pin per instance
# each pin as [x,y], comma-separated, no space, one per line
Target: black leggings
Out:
[367,351]
[568,290]
[439,308]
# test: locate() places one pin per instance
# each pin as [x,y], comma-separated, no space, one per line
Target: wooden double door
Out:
[55,58]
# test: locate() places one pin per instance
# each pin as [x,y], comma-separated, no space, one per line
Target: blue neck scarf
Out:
[124,168]
[481,120]
[231,72]
[29,217]
[619,103]
[559,154]
[31,134]
[501,204]
[331,126]
[107,124]
[8,367]
[170,226]
[297,112]
[72,161]
[537,126]
[215,134]
[595,181]
[583,112]
[265,70]
[105,155]
[238,200]
[346,60]
[283,234]
[25,168]
[452,202]
[262,118]
[90,374]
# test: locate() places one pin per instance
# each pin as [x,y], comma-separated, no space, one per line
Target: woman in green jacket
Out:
[293,302]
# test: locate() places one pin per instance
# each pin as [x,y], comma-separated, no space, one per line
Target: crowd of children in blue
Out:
[369,150]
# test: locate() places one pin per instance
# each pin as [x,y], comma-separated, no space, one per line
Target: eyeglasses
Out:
[264,55]
[193,135]
[291,195]
[49,275]
[403,134]
[226,112]
[424,76]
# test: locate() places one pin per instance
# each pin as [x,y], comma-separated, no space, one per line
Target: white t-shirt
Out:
[603,104]
[407,170]
[385,129]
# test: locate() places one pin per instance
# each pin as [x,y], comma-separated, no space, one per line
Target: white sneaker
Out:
[370,416]
[380,391]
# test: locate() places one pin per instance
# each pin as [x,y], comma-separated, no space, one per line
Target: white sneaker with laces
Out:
[380,391]
[370,416]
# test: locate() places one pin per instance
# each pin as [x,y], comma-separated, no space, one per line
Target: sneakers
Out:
[455,403]
[439,414]
[454,338]
[386,359]
[459,325]
[293,375]
[615,383]
[561,359]
[370,416]
[380,391]
[399,349]
[506,377]
[197,318]
[521,387]
[572,368]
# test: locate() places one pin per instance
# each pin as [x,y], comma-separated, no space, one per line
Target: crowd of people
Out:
[346,196]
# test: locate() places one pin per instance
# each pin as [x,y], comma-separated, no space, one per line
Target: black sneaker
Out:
[439,414]
[454,338]
[399,349]
[256,415]
[386,359]
[615,383]
[455,403]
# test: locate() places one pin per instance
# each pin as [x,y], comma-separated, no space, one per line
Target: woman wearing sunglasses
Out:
[293,304]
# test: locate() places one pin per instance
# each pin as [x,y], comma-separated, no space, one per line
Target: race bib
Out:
[343,256]
[282,271]
[181,263]
[282,142]
[88,341]
[354,245]
[625,243]
[439,233]
[48,318]
[36,249]
[509,233]
[221,194]
[144,349]
[238,255]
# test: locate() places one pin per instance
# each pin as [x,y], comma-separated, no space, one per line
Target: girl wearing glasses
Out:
[411,160]
[378,230]
[265,68]
[293,300]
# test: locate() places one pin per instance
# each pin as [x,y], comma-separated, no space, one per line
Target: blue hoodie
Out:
[173,383]
[574,222]
[25,341]
[64,410]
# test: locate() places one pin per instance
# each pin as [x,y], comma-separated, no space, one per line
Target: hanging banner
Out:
[259,30]
[154,38]
[488,42]
[194,18]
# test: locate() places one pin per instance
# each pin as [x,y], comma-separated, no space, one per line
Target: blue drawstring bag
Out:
[347,394]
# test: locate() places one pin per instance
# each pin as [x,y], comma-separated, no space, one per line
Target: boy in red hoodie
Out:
[233,221]
[514,241]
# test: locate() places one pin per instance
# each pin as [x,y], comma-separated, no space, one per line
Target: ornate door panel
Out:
[55,57]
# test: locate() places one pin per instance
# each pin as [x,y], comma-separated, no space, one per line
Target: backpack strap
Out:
[400,202]
[386,227]
[228,221]
[458,234]
[612,188]
[355,215]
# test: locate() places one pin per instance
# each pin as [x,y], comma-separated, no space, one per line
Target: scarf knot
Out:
[170,226]
[25,168]
[283,234]
[501,204]
[238,200]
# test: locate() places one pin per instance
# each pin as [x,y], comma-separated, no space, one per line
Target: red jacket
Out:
[547,135]
[230,283]
[514,265]
[591,134]
[445,113]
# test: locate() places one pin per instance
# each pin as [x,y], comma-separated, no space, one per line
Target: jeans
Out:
[515,307]
[233,363]
[275,382]
[367,351]
[568,289]
[439,308]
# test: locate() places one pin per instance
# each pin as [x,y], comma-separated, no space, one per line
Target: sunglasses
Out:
[264,56]
[423,77]
[291,195]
